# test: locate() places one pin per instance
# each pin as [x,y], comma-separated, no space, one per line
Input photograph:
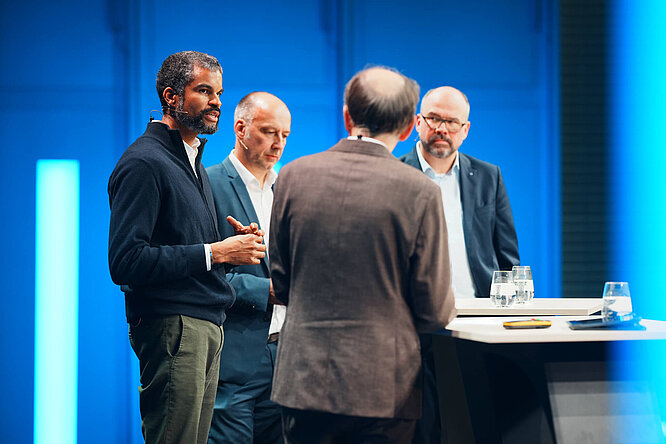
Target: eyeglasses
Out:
[434,123]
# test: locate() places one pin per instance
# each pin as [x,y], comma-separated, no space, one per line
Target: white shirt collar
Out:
[429,170]
[367,139]
[248,177]
[191,152]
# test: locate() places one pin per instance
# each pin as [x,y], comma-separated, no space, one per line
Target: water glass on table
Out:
[502,290]
[616,297]
[522,279]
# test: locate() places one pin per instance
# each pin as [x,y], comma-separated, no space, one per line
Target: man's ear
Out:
[349,123]
[466,130]
[408,130]
[170,97]
[240,127]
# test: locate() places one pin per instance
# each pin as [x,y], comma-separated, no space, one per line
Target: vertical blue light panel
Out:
[637,150]
[637,157]
[56,301]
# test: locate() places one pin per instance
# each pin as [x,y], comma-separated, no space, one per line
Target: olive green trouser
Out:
[179,358]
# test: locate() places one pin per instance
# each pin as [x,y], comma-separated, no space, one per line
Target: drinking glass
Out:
[502,290]
[522,279]
[616,297]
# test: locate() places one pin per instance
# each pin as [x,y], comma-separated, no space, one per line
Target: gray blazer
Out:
[359,253]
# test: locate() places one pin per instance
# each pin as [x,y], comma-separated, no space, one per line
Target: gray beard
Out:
[194,123]
[439,154]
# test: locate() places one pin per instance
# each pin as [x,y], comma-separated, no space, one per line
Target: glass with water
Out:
[616,298]
[522,279]
[502,290]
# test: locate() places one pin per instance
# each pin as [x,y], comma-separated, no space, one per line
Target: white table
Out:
[491,331]
[539,385]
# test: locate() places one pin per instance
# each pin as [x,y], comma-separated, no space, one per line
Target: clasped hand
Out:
[246,247]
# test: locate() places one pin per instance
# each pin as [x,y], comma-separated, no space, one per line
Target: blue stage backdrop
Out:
[79,83]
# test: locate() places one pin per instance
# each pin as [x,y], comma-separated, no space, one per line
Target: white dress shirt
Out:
[262,201]
[191,152]
[449,183]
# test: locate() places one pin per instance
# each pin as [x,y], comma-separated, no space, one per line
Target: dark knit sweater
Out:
[161,216]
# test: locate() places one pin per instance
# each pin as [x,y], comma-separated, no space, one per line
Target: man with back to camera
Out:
[165,252]
[243,186]
[358,253]
[481,234]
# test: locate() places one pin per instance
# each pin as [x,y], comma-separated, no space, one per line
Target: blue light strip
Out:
[637,154]
[56,301]
[637,137]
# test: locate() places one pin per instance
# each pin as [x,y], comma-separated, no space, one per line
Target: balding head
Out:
[381,100]
[447,96]
[248,105]
[442,125]
[262,123]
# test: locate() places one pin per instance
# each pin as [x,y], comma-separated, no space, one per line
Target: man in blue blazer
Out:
[482,237]
[242,188]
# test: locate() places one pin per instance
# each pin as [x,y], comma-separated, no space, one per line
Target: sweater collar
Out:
[172,140]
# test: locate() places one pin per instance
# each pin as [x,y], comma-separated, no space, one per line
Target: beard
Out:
[438,152]
[195,123]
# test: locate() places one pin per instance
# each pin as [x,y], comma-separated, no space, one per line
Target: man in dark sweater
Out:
[165,252]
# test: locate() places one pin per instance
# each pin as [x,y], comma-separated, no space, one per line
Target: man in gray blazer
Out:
[358,251]
[242,187]
[482,237]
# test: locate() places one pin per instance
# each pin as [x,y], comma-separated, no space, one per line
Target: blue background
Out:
[78,79]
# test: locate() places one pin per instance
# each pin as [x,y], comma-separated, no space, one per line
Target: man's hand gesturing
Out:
[239,228]
[244,249]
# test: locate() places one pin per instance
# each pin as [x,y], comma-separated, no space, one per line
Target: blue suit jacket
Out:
[490,236]
[248,320]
